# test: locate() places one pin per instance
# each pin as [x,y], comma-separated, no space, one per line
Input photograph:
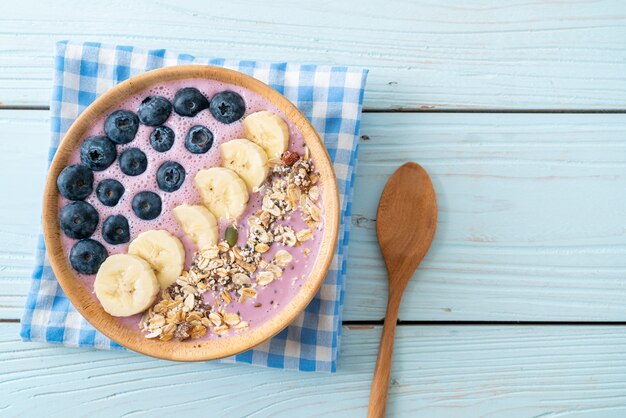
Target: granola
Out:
[229,272]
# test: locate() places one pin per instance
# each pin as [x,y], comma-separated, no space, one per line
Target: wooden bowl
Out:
[190,350]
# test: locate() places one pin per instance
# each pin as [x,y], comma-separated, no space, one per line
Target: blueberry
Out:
[98,152]
[170,176]
[189,101]
[75,182]
[227,106]
[162,138]
[133,162]
[86,256]
[109,192]
[154,110]
[78,220]
[199,139]
[121,126]
[115,230]
[146,205]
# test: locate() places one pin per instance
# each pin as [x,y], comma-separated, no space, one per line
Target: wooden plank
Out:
[422,54]
[531,222]
[531,225]
[23,165]
[445,371]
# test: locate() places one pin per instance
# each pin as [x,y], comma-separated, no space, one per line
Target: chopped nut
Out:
[277,196]
[223,329]
[154,333]
[275,270]
[261,248]
[198,331]
[304,235]
[182,331]
[203,263]
[193,316]
[289,157]
[157,321]
[223,247]
[190,301]
[169,329]
[189,290]
[166,337]
[265,277]
[314,193]
[241,325]
[216,318]
[226,296]
[210,252]
[231,318]
[289,237]
[247,293]
[282,258]
[315,212]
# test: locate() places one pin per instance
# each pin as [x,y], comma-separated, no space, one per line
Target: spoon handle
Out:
[380,382]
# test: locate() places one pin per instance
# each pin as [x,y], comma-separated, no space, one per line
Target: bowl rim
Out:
[189,350]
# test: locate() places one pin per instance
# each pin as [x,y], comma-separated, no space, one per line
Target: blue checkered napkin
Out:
[330,97]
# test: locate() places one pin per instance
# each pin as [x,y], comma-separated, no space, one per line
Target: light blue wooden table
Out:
[516,108]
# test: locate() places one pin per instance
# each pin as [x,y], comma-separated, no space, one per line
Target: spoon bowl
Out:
[405,225]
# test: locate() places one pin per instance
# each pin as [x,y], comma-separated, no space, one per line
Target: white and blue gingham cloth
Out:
[330,97]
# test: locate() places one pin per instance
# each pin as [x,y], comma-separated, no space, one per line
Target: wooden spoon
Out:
[405,224]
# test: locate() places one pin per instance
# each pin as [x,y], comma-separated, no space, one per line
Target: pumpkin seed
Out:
[231,236]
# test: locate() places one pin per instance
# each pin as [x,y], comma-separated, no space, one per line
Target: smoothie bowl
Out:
[191,213]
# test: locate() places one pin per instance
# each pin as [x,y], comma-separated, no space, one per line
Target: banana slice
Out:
[222,191]
[269,131]
[163,251]
[198,223]
[125,285]
[247,159]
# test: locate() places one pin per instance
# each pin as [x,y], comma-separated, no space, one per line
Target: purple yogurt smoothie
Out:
[271,298]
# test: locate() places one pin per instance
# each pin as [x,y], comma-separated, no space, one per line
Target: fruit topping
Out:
[121,126]
[247,159]
[170,176]
[115,230]
[199,139]
[222,191]
[198,223]
[163,251]
[86,256]
[133,162]
[267,130]
[162,138]
[227,107]
[109,192]
[75,182]
[146,205]
[125,285]
[98,152]
[189,101]
[154,110]
[78,220]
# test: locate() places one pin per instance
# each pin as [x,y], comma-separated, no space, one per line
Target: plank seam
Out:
[366,323]
[421,110]
[486,323]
